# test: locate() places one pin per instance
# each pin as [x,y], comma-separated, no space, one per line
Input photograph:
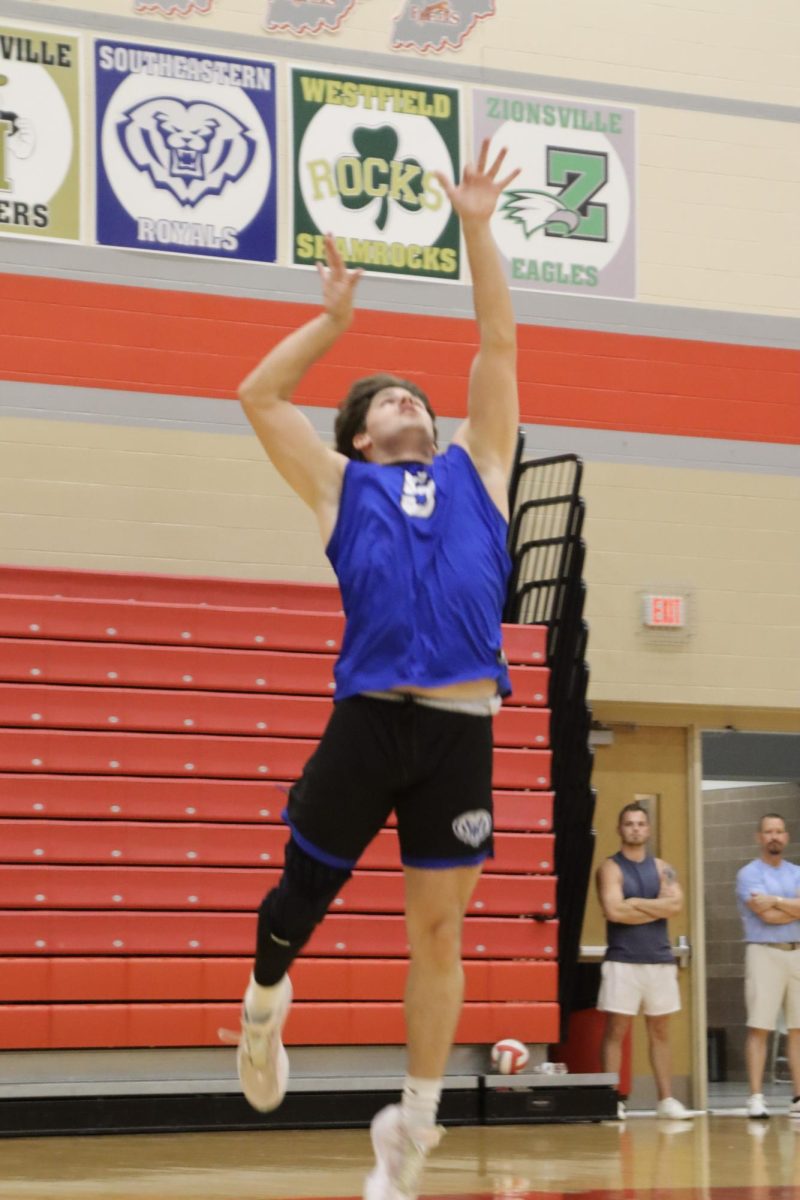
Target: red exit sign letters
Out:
[664,612]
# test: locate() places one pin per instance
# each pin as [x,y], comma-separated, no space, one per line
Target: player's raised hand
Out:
[475,197]
[338,284]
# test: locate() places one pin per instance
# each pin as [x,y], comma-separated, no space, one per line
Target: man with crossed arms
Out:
[768,898]
[638,893]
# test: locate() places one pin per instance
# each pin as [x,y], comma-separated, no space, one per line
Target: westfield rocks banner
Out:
[185,152]
[39,134]
[567,223]
[306,16]
[365,150]
[438,24]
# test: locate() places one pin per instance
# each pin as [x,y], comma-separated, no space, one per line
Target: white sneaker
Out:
[794,1108]
[622,1111]
[673,1110]
[399,1156]
[262,1061]
[756,1108]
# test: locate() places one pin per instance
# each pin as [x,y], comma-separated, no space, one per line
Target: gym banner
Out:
[39,134]
[438,24]
[173,8]
[306,16]
[567,222]
[365,150]
[186,157]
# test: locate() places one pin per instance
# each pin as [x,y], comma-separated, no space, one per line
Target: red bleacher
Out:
[150,727]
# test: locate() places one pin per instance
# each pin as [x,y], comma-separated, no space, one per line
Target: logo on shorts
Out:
[473,828]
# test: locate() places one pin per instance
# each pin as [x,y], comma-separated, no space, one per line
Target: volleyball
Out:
[509,1056]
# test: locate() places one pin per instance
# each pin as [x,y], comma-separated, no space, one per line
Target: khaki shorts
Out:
[627,987]
[771,982]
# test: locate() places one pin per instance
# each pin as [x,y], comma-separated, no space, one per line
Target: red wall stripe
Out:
[85,334]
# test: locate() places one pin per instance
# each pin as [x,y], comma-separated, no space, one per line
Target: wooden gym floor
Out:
[713,1158]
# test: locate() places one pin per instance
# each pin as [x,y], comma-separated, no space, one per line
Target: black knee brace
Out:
[290,913]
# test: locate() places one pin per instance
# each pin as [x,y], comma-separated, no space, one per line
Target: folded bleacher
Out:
[150,727]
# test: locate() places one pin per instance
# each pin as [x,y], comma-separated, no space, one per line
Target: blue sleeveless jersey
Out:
[638,943]
[420,555]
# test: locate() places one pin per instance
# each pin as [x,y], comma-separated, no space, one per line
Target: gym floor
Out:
[711,1158]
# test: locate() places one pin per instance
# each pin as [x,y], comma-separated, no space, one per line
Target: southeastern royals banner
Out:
[365,153]
[39,134]
[185,151]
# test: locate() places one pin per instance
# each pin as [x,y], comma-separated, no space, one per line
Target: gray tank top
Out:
[638,943]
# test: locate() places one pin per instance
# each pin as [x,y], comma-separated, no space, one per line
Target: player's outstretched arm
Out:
[306,463]
[490,432]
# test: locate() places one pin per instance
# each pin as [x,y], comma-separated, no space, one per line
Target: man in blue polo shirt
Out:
[768,897]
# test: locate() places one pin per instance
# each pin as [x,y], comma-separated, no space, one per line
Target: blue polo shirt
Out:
[759,876]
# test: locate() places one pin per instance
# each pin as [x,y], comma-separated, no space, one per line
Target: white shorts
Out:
[771,982]
[627,987]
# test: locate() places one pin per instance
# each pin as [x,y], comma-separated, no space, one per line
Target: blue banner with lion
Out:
[186,157]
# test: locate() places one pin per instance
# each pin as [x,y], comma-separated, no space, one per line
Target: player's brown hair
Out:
[351,418]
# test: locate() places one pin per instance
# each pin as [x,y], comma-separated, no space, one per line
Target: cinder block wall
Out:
[730,817]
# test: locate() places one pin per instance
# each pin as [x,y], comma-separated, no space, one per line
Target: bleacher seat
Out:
[150,727]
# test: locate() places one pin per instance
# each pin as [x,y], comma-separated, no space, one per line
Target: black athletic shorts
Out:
[432,766]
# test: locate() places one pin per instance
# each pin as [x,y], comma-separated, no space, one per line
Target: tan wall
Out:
[117,498]
[647,760]
[724,538]
[708,47]
[137,499]
[713,47]
[702,176]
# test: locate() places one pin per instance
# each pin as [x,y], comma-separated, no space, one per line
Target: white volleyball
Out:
[509,1056]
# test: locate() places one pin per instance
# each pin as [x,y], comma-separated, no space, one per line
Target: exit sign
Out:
[664,612]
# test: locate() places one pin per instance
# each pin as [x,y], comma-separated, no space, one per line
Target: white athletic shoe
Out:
[622,1111]
[673,1110]
[262,1061]
[794,1108]
[399,1156]
[756,1108]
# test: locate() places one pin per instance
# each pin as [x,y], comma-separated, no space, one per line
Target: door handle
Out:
[682,951]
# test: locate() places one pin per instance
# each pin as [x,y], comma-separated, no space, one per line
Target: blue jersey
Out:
[420,555]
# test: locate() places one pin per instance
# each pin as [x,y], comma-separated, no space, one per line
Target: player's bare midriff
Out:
[467,689]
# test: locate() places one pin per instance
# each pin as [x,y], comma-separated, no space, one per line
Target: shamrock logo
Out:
[377,173]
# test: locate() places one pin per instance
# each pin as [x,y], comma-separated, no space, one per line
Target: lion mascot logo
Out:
[191,150]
